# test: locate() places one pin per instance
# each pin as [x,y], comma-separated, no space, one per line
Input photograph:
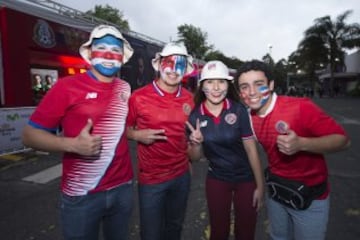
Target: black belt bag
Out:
[292,193]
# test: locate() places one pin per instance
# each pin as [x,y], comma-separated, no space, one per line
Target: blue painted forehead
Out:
[108,39]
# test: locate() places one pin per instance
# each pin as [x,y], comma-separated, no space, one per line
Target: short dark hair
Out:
[255,65]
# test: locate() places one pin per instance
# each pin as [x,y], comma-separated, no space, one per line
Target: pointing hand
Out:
[149,136]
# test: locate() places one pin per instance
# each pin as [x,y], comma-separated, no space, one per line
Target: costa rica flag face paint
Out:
[255,90]
[265,93]
[259,99]
[107,55]
[173,64]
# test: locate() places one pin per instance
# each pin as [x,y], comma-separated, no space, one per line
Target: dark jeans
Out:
[162,208]
[82,216]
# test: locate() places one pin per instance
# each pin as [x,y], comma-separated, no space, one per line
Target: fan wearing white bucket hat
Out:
[156,120]
[219,130]
[91,109]
[106,50]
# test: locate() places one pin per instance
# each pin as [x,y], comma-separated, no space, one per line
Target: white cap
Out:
[215,70]
[173,48]
[101,31]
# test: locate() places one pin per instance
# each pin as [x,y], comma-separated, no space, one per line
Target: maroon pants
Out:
[220,196]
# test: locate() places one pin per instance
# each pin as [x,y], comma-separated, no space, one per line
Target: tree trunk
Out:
[331,84]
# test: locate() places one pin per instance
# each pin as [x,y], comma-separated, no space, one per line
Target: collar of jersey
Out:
[162,93]
[205,111]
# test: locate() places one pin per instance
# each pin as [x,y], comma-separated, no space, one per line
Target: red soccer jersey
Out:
[307,120]
[69,103]
[152,108]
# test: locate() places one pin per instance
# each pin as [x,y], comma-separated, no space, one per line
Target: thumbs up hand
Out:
[289,143]
[86,143]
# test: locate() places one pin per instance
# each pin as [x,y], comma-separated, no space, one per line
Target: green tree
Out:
[280,76]
[111,15]
[279,70]
[268,59]
[310,56]
[328,39]
[232,62]
[194,39]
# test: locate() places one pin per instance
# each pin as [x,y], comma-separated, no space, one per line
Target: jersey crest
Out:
[230,118]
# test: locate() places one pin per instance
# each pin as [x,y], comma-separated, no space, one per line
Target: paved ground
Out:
[28,210]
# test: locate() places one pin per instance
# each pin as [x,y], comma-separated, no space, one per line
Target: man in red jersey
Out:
[156,120]
[295,133]
[91,108]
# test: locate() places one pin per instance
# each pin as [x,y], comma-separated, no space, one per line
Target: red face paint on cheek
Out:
[167,63]
[245,97]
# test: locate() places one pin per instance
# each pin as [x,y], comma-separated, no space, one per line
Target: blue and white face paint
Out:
[107,55]
[265,93]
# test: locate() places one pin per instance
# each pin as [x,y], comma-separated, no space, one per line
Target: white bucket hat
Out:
[215,70]
[101,31]
[173,48]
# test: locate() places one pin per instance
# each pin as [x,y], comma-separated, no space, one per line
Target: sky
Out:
[243,29]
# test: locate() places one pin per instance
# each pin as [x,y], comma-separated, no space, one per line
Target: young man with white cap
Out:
[220,130]
[156,120]
[91,108]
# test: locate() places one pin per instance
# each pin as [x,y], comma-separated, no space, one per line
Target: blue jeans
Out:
[162,208]
[288,224]
[82,216]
